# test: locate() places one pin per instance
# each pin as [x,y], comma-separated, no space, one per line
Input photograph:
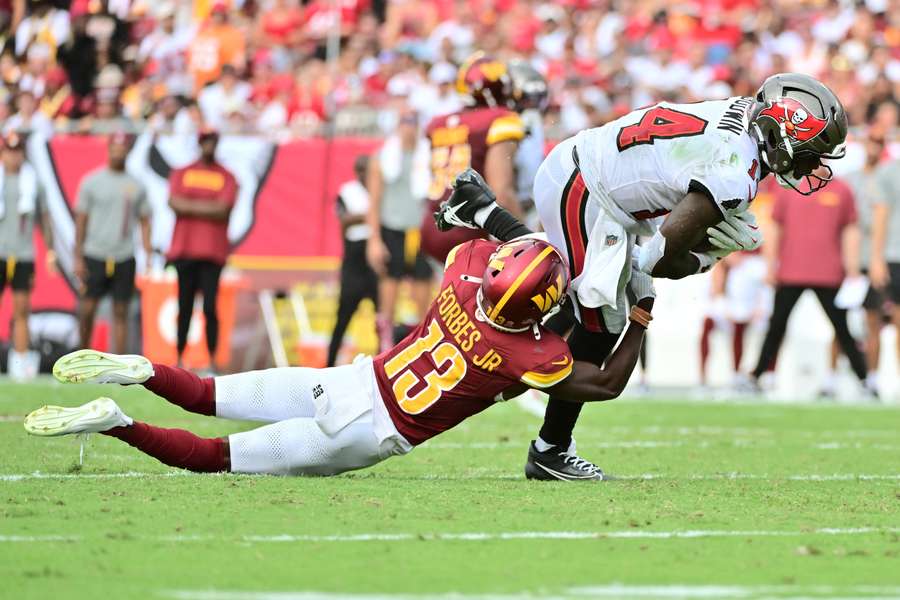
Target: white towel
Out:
[28,189]
[392,161]
[607,270]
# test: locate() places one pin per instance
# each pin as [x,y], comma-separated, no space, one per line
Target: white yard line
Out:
[647,592]
[16,477]
[474,536]
[11,419]
[600,445]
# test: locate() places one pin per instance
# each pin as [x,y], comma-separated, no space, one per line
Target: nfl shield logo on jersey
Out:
[612,240]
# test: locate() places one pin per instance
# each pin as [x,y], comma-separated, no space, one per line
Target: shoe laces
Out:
[580,463]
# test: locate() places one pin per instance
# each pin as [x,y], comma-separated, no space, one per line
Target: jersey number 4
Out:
[450,368]
[660,123]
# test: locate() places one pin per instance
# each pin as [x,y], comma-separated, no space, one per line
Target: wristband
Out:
[640,316]
[706,261]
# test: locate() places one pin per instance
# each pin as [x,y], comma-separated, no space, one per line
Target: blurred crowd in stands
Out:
[262,65]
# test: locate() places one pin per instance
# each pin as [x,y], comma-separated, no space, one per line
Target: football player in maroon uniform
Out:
[480,342]
[484,136]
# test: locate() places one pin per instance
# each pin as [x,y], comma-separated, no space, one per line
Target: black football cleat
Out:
[556,465]
[470,193]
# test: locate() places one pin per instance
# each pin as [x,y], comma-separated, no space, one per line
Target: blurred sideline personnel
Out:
[358,280]
[397,182]
[683,175]
[738,294]
[529,98]
[884,267]
[22,203]
[484,136]
[202,195]
[110,204]
[813,244]
[480,342]
[872,207]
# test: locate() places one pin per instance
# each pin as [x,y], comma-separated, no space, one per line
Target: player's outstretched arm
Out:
[474,205]
[590,383]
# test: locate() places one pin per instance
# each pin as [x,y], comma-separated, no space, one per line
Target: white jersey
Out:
[641,165]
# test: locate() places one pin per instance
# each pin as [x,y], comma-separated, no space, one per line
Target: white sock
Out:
[829,382]
[541,445]
[872,380]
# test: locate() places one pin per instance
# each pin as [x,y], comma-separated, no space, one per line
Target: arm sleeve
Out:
[778,208]
[144,208]
[83,204]
[551,372]
[175,188]
[850,214]
[229,194]
[729,188]
[505,128]
[887,191]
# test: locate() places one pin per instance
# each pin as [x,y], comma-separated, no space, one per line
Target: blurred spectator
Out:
[397,182]
[44,26]
[22,204]
[202,195]
[601,58]
[163,51]
[227,98]
[358,280]
[812,245]
[27,119]
[216,44]
[111,205]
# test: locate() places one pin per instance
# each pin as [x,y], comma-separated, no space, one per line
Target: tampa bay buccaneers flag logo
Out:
[798,122]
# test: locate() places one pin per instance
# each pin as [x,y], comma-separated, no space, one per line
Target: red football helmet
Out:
[524,280]
[484,81]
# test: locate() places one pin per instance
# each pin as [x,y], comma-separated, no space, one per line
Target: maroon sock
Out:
[183,388]
[708,326]
[737,345]
[175,447]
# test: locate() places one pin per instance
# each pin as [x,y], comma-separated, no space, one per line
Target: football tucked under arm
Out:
[672,253]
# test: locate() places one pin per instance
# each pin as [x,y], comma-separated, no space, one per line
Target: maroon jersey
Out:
[458,141]
[454,365]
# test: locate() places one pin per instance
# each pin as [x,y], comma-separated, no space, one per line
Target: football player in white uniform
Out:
[681,174]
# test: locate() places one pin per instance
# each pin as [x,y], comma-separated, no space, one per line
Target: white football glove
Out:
[737,232]
[641,284]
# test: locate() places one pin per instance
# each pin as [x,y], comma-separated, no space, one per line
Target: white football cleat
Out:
[98,415]
[91,366]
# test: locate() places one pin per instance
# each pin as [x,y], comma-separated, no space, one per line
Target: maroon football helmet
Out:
[525,279]
[484,81]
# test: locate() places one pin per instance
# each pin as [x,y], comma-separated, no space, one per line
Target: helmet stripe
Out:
[522,276]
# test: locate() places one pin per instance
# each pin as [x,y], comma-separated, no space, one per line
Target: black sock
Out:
[559,421]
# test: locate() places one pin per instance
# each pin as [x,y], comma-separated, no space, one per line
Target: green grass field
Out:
[718,501]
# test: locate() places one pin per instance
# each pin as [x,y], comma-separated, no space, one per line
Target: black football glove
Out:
[470,194]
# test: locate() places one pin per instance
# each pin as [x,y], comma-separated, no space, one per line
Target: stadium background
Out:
[318,82]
